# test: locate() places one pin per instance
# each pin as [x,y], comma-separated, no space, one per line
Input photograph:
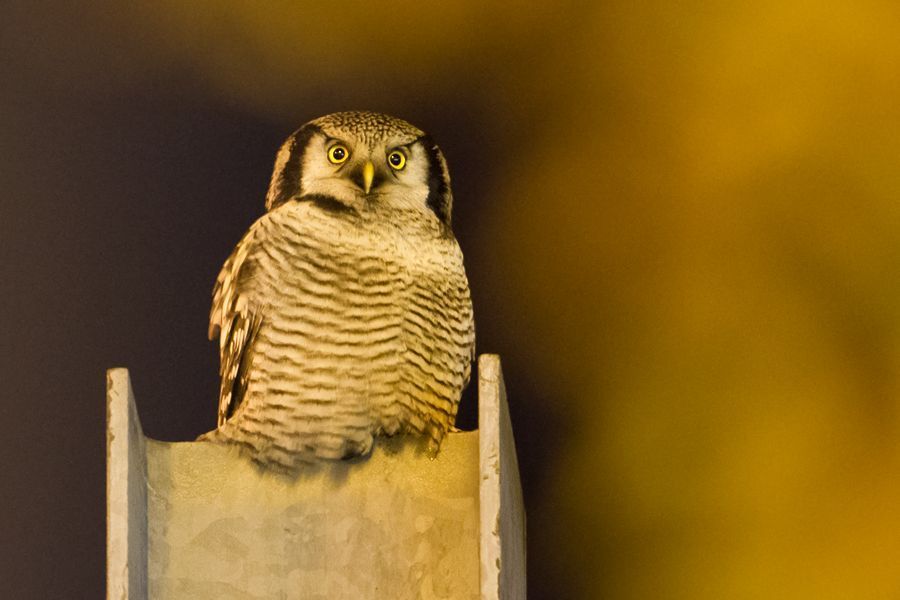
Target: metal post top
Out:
[198,520]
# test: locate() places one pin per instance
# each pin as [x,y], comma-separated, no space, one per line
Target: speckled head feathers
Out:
[369,133]
[368,126]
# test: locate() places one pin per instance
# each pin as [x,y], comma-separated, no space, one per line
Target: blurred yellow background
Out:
[683,228]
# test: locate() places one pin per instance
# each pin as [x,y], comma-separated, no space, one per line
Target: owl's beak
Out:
[368,174]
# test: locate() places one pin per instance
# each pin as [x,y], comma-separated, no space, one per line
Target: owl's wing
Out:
[236,321]
[472,356]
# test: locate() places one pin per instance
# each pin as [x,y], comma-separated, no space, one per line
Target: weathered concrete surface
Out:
[396,525]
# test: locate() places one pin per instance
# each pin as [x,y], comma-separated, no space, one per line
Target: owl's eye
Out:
[397,160]
[338,154]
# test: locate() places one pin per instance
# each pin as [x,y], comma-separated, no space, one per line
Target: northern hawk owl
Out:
[344,312]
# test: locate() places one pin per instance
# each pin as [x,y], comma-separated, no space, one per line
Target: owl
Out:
[344,312]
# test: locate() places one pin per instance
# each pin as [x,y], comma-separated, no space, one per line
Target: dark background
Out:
[681,224]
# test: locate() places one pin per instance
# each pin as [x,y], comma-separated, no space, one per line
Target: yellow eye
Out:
[338,154]
[397,160]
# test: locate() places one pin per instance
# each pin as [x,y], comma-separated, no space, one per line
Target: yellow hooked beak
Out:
[368,175]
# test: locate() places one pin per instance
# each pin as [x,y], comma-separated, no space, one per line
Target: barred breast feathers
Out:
[236,314]
[406,283]
[235,319]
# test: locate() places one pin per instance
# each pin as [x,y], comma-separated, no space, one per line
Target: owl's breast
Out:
[372,322]
[325,275]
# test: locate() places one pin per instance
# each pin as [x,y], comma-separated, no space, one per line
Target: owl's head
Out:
[358,158]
